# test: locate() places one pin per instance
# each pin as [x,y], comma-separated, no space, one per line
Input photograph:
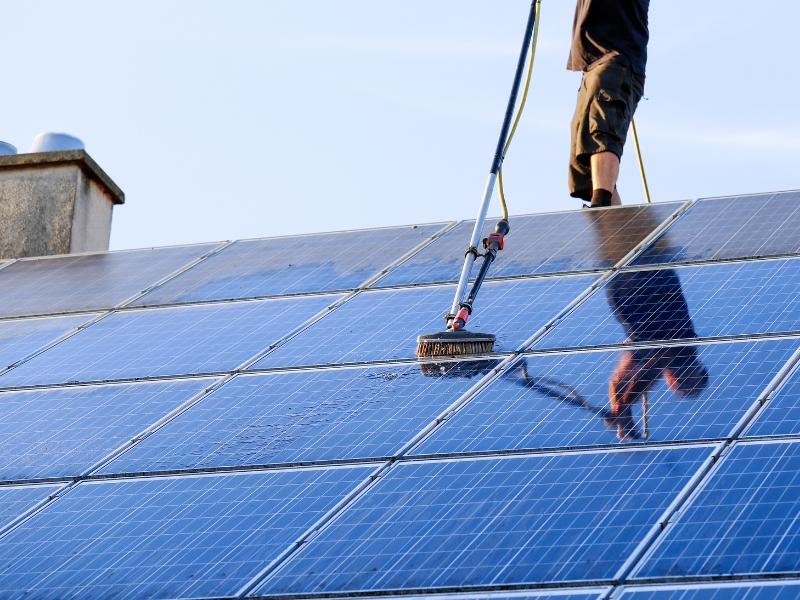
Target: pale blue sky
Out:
[226,120]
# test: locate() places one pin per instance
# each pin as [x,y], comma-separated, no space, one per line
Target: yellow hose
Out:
[500,192]
[641,162]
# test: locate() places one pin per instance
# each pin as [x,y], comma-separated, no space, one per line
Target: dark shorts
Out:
[607,99]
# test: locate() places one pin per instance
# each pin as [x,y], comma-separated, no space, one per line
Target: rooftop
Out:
[248,418]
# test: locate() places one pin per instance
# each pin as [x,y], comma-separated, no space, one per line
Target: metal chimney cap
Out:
[51,142]
[6,148]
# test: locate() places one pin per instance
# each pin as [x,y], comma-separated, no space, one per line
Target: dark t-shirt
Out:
[609,30]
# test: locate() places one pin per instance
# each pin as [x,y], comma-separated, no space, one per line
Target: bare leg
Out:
[605,170]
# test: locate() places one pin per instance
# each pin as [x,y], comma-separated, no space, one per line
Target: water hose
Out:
[641,162]
[500,191]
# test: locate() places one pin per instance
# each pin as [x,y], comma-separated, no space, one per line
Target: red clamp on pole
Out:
[494,237]
[461,319]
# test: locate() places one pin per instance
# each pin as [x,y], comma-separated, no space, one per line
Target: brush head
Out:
[454,343]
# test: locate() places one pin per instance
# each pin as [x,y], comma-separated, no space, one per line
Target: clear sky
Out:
[227,120]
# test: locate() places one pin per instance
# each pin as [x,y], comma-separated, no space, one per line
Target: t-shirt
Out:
[609,30]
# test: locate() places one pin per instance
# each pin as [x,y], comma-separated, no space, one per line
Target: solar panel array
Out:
[248,419]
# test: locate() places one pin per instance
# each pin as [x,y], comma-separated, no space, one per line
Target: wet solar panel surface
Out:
[291,265]
[581,399]
[211,447]
[781,415]
[384,324]
[88,281]
[735,227]
[686,302]
[546,243]
[768,590]
[332,414]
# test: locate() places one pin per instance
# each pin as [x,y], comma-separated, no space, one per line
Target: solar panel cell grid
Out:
[532,519]
[735,227]
[384,324]
[168,341]
[16,500]
[686,302]
[61,432]
[183,537]
[781,415]
[546,243]
[304,416]
[290,265]
[88,281]
[559,400]
[743,521]
[574,594]
[771,590]
[19,338]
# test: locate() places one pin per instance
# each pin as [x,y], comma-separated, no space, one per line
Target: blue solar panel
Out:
[546,243]
[583,593]
[685,302]
[304,416]
[19,338]
[290,265]
[168,341]
[61,432]
[735,227]
[744,521]
[545,518]
[87,281]
[182,537]
[566,400]
[16,500]
[781,416]
[768,590]
[384,324]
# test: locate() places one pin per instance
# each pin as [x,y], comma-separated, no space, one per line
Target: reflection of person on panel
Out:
[650,306]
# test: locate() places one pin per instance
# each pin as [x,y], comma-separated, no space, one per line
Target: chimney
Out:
[54,203]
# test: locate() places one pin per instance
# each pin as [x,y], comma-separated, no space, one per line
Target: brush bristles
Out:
[433,348]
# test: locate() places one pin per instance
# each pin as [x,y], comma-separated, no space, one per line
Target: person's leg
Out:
[605,171]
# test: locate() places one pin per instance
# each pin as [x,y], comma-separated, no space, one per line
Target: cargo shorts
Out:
[607,99]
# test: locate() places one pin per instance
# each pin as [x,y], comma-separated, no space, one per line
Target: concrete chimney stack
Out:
[54,203]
